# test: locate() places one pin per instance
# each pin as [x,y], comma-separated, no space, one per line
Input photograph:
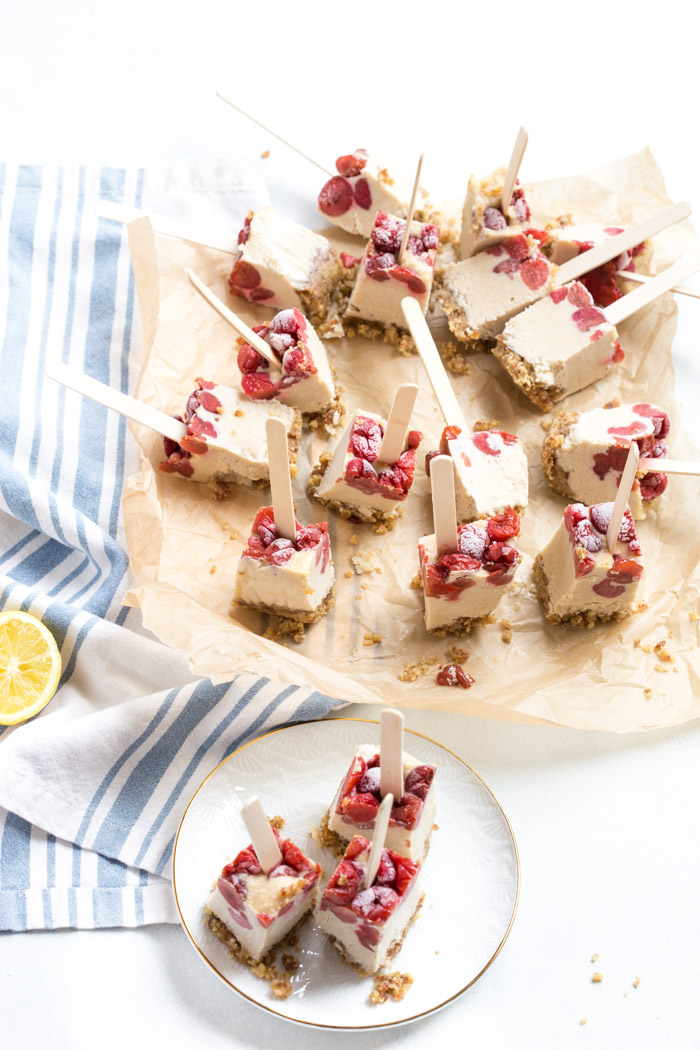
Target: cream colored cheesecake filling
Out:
[568,345]
[486,482]
[590,436]
[482,194]
[475,597]
[382,187]
[240,444]
[566,241]
[487,290]
[299,584]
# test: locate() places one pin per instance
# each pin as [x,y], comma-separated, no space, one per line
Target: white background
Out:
[607,826]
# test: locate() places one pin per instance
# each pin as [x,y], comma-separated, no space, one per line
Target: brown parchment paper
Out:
[184,545]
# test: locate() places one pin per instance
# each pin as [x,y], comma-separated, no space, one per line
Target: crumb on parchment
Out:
[597,978]
[366,560]
[371,638]
[411,672]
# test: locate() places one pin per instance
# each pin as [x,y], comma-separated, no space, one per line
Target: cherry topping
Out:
[366,438]
[386,875]
[662,424]
[343,884]
[376,266]
[558,295]
[336,197]
[453,674]
[351,163]
[472,540]
[535,272]
[652,485]
[405,873]
[361,808]
[407,811]
[494,219]
[376,903]
[587,317]
[370,781]
[244,276]
[503,526]
[258,385]
[363,195]
[607,589]
[419,779]
[349,261]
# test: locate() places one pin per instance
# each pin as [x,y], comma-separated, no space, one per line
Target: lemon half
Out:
[30,667]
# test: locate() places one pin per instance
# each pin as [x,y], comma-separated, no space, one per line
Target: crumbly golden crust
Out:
[582,618]
[225,485]
[457,322]
[264,968]
[326,277]
[390,984]
[461,626]
[393,950]
[288,614]
[523,375]
[363,515]
[556,435]
[377,332]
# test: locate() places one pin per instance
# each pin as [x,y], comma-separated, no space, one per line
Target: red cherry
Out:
[578,295]
[249,360]
[336,196]
[406,871]
[258,385]
[503,526]
[587,317]
[259,295]
[472,540]
[386,875]
[246,861]
[376,266]
[351,164]
[244,276]
[607,589]
[376,903]
[370,782]
[363,195]
[419,779]
[357,845]
[558,295]
[343,884]
[535,272]
[366,438]
[517,247]
[453,674]
[459,563]
[494,219]
[360,808]
[408,810]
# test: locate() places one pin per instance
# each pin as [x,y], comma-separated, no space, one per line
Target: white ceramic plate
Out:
[471,877]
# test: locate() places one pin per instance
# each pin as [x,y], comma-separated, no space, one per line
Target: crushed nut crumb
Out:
[660,650]
[693,617]
[594,957]
[486,424]
[372,639]
[648,693]
[597,978]
[290,962]
[506,630]
[413,671]
[635,982]
[366,560]
[348,574]
[390,984]
[212,570]
[458,655]
[265,154]
[239,412]
[281,987]
[354,539]
[583,1020]
[416,582]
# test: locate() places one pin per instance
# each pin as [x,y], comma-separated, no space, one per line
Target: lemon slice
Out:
[30,667]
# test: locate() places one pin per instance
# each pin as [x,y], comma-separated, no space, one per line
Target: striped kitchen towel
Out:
[92,789]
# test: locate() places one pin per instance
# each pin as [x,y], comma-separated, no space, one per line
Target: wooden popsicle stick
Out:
[261,834]
[170,227]
[411,209]
[429,355]
[623,308]
[442,483]
[280,481]
[621,242]
[516,159]
[234,320]
[671,466]
[397,423]
[644,278]
[622,497]
[230,102]
[391,764]
[126,405]
[381,826]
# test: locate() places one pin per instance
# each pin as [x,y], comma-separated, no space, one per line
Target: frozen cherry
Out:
[453,674]
[244,276]
[336,196]
[363,195]
[503,526]
[494,219]
[534,273]
[370,781]
[351,164]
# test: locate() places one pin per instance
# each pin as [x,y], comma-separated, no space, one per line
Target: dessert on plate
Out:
[260,909]
[305,380]
[362,187]
[484,224]
[356,802]
[604,284]
[383,281]
[281,264]
[558,345]
[584,453]
[480,294]
[226,444]
[286,578]
[578,579]
[368,924]
[355,482]
[463,586]
[490,471]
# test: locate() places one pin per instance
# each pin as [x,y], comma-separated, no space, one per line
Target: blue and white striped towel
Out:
[92,790]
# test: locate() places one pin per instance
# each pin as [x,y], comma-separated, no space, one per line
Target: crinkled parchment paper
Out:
[184,545]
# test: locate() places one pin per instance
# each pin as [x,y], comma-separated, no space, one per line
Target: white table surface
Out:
[606,825]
